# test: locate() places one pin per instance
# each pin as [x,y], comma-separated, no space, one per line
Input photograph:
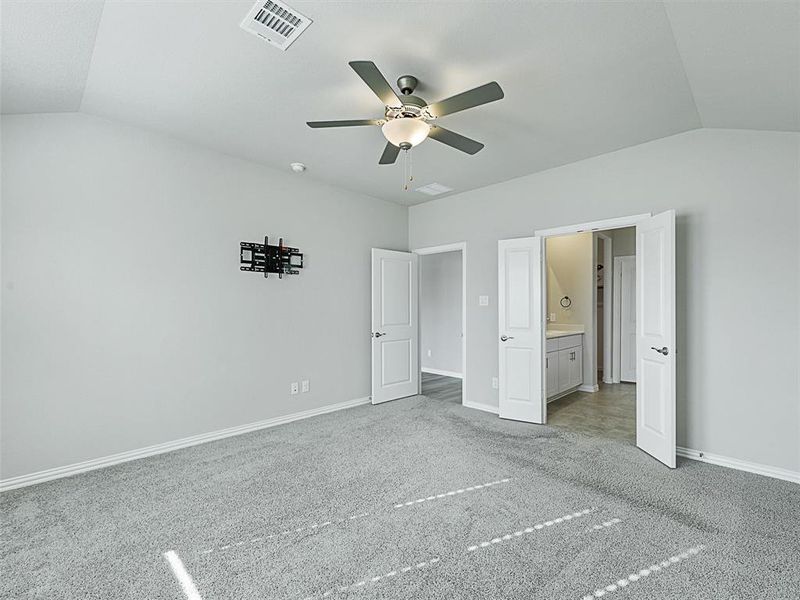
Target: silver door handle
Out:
[378,334]
[505,338]
[663,350]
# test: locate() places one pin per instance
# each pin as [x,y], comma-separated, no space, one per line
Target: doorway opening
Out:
[442,322]
[523,344]
[590,318]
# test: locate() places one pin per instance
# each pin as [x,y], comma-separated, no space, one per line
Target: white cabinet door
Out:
[395,352]
[551,366]
[521,331]
[575,367]
[655,336]
[564,370]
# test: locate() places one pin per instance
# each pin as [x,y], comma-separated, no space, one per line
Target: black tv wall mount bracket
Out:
[266,259]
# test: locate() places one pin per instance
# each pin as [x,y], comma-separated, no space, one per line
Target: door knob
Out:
[378,334]
[663,350]
[505,338]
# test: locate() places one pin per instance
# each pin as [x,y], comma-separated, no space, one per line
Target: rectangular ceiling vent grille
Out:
[434,189]
[276,23]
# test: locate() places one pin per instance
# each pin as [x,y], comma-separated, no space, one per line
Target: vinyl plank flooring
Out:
[440,387]
[609,412]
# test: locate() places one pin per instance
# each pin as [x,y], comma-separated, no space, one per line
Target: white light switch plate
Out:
[305,386]
[495,383]
[552,317]
[483,300]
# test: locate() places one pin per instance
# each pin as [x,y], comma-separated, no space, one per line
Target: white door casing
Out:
[655,336]
[627,311]
[521,335]
[395,326]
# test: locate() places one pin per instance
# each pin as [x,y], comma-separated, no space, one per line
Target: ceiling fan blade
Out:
[475,97]
[376,82]
[456,140]
[389,154]
[352,123]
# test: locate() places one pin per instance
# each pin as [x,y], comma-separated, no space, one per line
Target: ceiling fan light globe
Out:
[406,131]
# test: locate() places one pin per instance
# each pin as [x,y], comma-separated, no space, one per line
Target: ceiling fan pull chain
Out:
[405,168]
[408,175]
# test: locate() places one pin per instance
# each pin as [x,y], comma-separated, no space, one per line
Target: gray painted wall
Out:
[623,241]
[126,321]
[570,272]
[440,311]
[736,195]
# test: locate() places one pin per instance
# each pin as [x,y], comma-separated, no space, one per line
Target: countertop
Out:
[557,333]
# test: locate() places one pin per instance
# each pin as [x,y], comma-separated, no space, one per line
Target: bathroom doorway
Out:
[542,361]
[581,392]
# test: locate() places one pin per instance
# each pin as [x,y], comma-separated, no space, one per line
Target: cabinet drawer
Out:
[569,341]
[551,345]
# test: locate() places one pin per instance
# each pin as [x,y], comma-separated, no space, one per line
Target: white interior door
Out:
[521,336]
[395,351]
[655,336]
[627,283]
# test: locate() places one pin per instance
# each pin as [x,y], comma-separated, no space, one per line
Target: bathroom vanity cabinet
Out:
[564,364]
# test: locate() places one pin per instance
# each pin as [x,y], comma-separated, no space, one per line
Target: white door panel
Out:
[395,357]
[521,315]
[655,336]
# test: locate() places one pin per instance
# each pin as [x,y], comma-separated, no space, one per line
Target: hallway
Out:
[440,387]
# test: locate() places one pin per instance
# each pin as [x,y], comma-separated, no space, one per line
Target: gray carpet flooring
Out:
[415,498]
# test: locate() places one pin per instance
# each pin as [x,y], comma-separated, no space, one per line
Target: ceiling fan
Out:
[407,118]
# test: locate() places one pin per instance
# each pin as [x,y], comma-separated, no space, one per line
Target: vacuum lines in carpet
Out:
[191,592]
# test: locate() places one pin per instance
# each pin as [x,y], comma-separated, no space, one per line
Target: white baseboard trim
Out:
[441,372]
[114,459]
[481,406]
[589,388]
[740,465]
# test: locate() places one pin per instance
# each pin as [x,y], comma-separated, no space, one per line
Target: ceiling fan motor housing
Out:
[407,84]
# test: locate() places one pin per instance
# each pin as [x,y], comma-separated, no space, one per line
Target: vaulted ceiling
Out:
[580,79]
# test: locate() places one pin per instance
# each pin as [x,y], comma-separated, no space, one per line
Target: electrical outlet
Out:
[295,387]
[429,352]
[495,383]
[305,386]
[483,300]
[552,317]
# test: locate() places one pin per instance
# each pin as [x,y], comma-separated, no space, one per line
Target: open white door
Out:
[395,352]
[655,336]
[521,343]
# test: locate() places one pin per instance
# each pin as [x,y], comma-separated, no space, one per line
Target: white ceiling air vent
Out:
[275,22]
[434,189]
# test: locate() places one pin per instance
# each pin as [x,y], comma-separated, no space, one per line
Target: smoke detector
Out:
[275,22]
